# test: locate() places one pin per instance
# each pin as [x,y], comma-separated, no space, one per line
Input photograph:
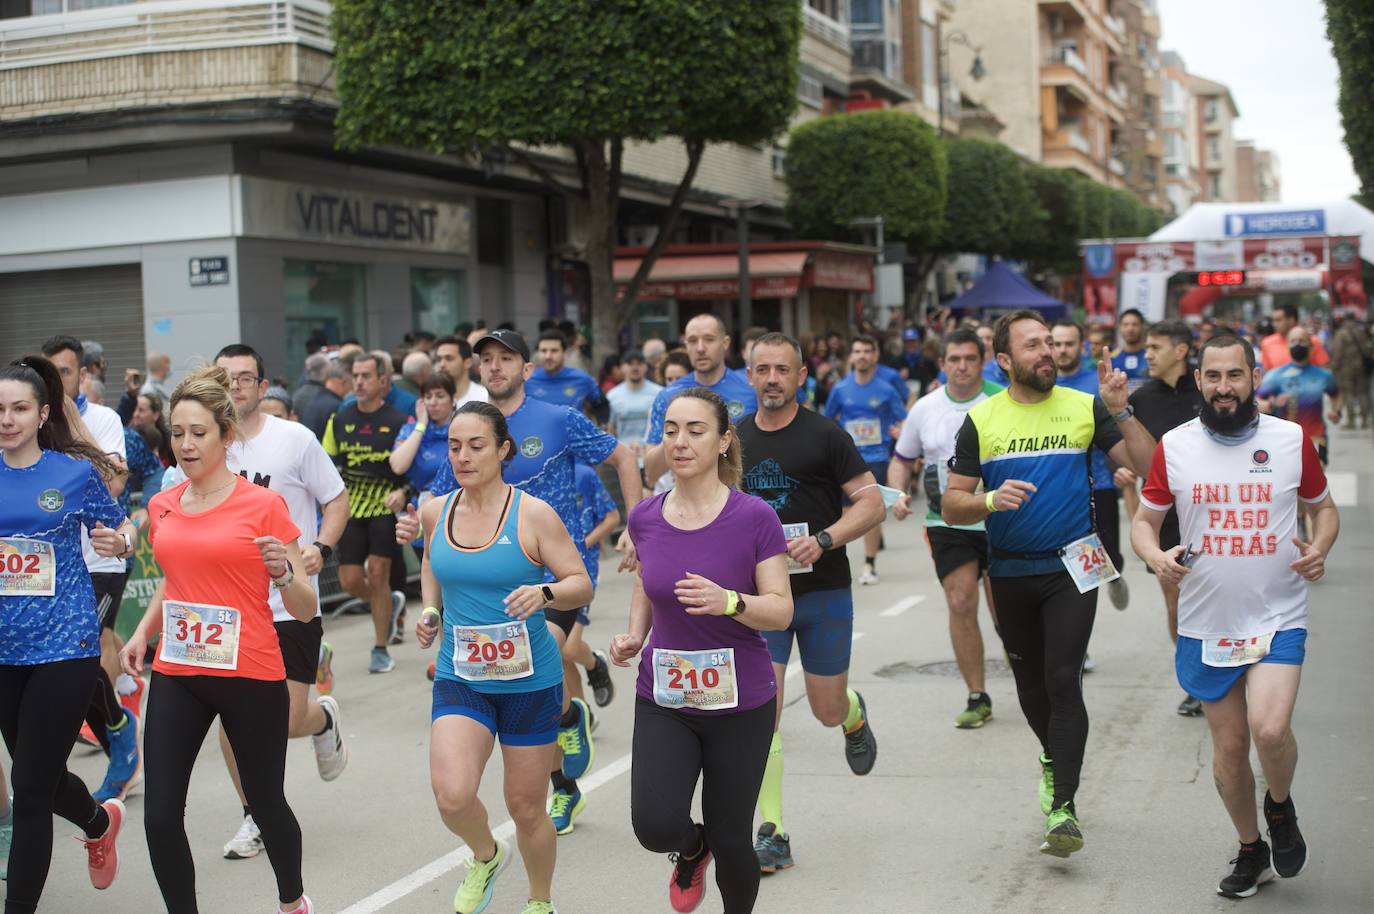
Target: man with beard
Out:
[804,466]
[1028,446]
[1169,399]
[1236,479]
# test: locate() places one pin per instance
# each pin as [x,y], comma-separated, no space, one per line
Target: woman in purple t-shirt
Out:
[712,575]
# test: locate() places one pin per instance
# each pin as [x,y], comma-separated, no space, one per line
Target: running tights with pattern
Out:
[254,714]
[1045,625]
[41,708]
[727,752]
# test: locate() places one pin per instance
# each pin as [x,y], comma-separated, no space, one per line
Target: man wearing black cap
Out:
[631,402]
[549,441]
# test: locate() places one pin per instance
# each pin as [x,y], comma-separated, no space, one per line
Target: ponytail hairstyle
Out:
[730,465]
[209,386]
[500,431]
[56,433]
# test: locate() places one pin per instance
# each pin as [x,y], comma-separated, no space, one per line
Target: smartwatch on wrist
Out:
[128,545]
[547,591]
[825,540]
[325,550]
[1125,414]
[734,603]
[285,580]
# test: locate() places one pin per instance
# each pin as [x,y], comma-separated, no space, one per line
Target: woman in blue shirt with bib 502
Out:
[499,672]
[49,631]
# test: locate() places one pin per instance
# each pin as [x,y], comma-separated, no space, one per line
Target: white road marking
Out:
[452,860]
[1344,489]
[901,606]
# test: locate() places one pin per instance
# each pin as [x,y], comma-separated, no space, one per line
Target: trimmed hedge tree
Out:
[500,79]
[1350,28]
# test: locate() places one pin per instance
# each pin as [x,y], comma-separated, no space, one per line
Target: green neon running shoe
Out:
[475,893]
[1046,784]
[540,907]
[1062,835]
[978,712]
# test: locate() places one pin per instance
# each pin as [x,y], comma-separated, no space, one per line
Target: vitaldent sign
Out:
[1292,222]
[278,209]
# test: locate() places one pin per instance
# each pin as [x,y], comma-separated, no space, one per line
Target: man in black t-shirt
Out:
[360,437]
[805,466]
[1166,401]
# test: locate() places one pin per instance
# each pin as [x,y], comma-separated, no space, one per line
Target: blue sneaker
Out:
[126,762]
[564,807]
[576,742]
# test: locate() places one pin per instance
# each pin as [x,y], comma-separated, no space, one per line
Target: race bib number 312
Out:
[198,634]
[704,680]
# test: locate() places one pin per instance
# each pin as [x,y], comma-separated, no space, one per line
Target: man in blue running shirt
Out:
[868,407]
[707,342]
[560,384]
[549,440]
[1081,374]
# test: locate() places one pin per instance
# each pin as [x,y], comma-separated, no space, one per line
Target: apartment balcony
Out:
[1067,148]
[1115,25]
[165,53]
[1063,68]
[1171,120]
[1071,9]
[877,68]
[1116,94]
[1116,166]
[820,25]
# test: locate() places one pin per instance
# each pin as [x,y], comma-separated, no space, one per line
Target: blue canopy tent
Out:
[1003,289]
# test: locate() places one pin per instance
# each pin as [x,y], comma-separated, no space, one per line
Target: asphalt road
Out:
[948,820]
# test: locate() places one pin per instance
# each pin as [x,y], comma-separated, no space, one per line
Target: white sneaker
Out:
[246,843]
[331,754]
[869,576]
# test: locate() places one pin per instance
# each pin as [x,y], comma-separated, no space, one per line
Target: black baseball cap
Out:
[508,338]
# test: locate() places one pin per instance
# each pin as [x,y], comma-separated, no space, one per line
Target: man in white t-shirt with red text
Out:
[1236,478]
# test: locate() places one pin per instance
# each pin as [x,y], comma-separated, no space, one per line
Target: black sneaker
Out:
[599,678]
[1252,870]
[773,850]
[860,745]
[1190,707]
[1290,850]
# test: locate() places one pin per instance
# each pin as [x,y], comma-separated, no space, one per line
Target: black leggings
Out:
[40,714]
[254,714]
[727,753]
[1045,624]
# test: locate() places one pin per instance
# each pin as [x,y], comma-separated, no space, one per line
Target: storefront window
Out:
[438,300]
[323,298]
[656,320]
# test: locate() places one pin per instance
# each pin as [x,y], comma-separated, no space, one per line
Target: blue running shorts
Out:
[1212,683]
[516,718]
[823,623]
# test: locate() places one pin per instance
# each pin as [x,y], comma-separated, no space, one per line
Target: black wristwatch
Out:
[824,540]
[548,594]
[325,550]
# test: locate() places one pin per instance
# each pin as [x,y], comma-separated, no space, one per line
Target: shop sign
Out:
[283,210]
[833,270]
[209,271]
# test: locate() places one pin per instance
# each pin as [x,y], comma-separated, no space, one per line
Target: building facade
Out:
[1257,174]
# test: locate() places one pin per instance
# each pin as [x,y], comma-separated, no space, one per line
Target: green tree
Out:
[498,80]
[992,207]
[1062,196]
[1350,28]
[875,163]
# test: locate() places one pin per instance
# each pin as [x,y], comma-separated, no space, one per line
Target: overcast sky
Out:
[1274,56]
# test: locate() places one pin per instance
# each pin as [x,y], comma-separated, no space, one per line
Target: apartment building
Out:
[168,177]
[1257,173]
[1179,127]
[1216,113]
[1140,142]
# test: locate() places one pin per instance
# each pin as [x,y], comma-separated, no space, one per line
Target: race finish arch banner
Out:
[1143,269]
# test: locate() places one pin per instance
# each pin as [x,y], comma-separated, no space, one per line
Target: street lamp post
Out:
[875,223]
[976,71]
[746,299]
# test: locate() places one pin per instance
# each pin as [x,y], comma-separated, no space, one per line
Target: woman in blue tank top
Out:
[499,673]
